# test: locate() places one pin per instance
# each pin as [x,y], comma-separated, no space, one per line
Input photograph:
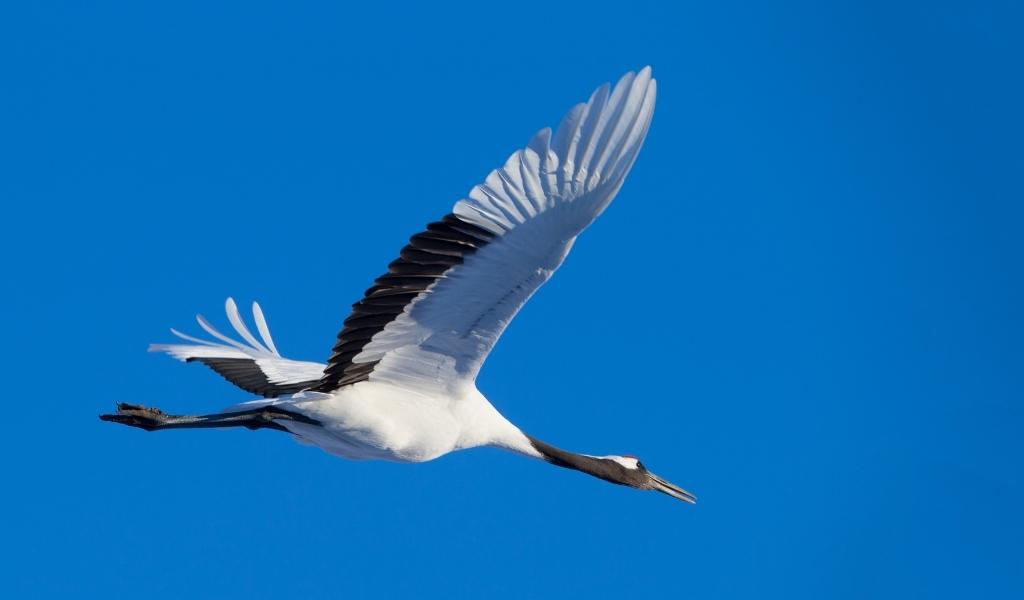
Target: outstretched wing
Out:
[430,321]
[255,366]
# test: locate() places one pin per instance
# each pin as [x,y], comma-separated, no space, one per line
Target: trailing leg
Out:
[152,419]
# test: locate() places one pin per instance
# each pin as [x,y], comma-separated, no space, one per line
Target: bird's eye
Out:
[640,465]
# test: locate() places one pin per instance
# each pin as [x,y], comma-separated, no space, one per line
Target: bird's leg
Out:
[152,419]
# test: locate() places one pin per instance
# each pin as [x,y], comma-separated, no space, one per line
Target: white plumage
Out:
[401,382]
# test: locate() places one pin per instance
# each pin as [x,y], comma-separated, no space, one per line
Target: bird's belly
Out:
[364,424]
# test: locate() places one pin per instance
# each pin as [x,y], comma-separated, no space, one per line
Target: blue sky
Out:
[804,305]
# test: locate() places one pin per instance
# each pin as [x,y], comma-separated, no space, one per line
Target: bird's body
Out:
[383,422]
[400,384]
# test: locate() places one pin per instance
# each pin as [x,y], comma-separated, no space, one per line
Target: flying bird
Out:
[400,383]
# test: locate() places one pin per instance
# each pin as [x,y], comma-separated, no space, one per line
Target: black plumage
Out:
[246,374]
[425,259]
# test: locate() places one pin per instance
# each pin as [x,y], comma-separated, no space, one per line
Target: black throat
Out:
[602,468]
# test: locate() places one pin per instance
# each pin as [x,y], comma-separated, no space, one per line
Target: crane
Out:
[400,383]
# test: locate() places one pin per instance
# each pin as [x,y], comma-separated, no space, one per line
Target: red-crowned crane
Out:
[400,384]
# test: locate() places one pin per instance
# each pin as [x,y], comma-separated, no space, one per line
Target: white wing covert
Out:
[431,321]
[255,366]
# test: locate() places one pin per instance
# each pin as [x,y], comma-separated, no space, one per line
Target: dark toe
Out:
[134,415]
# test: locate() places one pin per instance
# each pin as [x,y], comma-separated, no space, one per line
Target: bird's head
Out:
[628,470]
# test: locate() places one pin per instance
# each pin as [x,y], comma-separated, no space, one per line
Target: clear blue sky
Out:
[804,306]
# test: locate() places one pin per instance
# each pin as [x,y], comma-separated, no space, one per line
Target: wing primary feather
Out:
[263,328]
[616,106]
[540,141]
[210,329]
[529,168]
[632,95]
[576,138]
[634,140]
[583,138]
[566,129]
[193,339]
[236,321]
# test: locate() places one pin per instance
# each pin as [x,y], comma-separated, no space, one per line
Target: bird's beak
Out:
[657,483]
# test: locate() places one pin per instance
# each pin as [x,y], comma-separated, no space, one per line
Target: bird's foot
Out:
[139,416]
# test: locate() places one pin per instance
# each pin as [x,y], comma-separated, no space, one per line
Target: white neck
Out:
[485,426]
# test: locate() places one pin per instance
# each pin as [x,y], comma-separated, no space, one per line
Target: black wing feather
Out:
[425,259]
[246,374]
